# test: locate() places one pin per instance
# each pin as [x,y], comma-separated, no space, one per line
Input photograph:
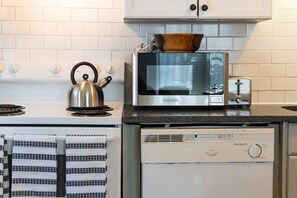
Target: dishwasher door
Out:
[207,163]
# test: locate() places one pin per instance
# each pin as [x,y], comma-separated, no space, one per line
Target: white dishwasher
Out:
[207,162]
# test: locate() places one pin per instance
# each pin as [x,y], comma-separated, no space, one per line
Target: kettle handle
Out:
[80,64]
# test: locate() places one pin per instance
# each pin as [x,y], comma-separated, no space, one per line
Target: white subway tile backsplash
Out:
[245,70]
[260,84]
[43,28]
[7,13]
[271,97]
[272,70]
[70,55]
[279,15]
[57,42]
[259,29]
[292,15]
[16,54]
[112,43]
[123,29]
[254,97]
[258,57]
[43,55]
[232,30]
[98,58]
[272,43]
[284,83]
[111,15]
[56,14]
[44,3]
[118,4]
[85,42]
[29,14]
[15,27]
[124,56]
[98,3]
[15,2]
[178,28]
[71,3]
[284,57]
[132,43]
[84,15]
[291,70]
[7,41]
[292,43]
[151,29]
[291,4]
[71,28]
[280,29]
[236,57]
[246,43]
[219,44]
[206,29]
[98,29]
[30,42]
[291,97]
[291,29]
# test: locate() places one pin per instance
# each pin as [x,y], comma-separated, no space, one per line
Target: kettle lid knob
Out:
[85,76]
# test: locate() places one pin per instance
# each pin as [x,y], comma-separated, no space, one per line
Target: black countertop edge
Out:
[254,114]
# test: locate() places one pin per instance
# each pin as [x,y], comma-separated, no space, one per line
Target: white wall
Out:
[60,31]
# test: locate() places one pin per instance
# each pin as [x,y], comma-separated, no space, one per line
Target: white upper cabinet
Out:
[197,9]
[160,8]
[235,9]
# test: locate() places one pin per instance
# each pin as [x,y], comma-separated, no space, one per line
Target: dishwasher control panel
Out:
[195,145]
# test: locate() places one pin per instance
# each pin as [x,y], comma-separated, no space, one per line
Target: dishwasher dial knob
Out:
[255,151]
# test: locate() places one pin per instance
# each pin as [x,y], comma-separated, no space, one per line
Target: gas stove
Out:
[56,113]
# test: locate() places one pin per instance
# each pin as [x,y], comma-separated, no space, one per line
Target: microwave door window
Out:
[170,79]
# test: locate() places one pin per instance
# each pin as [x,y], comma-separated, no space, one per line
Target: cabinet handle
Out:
[204,7]
[192,7]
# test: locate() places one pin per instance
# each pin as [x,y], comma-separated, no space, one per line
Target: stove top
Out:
[55,113]
[11,110]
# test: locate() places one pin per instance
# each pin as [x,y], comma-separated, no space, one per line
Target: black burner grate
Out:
[11,109]
[90,111]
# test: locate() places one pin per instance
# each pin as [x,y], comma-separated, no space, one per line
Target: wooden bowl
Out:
[178,42]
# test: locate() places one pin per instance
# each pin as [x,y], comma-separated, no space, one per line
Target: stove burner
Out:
[11,110]
[11,106]
[102,108]
[90,111]
[98,113]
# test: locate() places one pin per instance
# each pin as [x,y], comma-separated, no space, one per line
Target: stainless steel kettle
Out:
[86,94]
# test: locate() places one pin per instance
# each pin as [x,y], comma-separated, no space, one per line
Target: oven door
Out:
[113,175]
[184,79]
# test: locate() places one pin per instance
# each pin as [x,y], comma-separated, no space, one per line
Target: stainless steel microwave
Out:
[179,79]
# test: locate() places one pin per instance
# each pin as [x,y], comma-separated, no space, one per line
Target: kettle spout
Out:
[105,81]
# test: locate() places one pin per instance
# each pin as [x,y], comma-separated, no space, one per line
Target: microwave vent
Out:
[163,138]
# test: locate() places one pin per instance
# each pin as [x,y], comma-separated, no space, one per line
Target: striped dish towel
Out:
[4,177]
[86,166]
[34,166]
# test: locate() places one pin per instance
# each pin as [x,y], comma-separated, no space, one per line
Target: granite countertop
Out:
[256,113]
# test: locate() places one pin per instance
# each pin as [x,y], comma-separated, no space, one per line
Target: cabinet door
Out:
[292,177]
[239,9]
[292,138]
[160,9]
